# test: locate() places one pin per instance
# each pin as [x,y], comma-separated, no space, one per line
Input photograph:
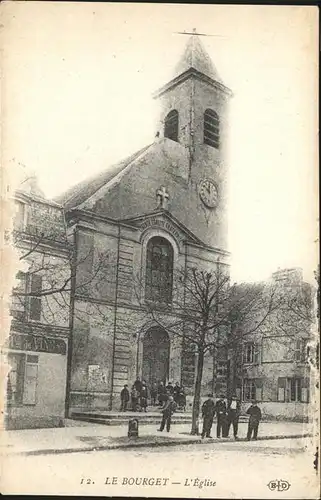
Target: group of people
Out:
[227,415]
[158,394]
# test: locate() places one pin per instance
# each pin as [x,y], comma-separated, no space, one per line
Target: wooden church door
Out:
[155,356]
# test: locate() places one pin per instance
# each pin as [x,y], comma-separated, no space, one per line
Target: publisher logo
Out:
[279,485]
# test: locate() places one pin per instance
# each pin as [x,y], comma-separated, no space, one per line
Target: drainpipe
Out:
[71,321]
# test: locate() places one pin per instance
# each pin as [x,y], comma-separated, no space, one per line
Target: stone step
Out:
[146,421]
[122,418]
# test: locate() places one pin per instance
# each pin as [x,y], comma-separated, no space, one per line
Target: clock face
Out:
[208,193]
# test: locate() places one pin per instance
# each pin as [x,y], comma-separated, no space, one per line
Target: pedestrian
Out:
[170,389]
[153,393]
[254,420]
[208,411]
[176,392]
[144,397]
[134,398]
[221,410]
[138,385]
[124,398]
[168,410]
[182,399]
[161,394]
[233,415]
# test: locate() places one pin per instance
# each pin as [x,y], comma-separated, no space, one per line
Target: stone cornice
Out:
[192,72]
[39,328]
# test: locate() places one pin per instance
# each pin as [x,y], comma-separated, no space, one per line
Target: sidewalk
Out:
[81,436]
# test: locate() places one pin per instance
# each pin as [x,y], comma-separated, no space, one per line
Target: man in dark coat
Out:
[176,392]
[124,398]
[221,413]
[138,385]
[208,411]
[153,393]
[168,410]
[170,389]
[135,399]
[233,415]
[254,420]
[161,394]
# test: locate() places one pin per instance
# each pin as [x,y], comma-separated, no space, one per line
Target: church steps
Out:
[122,418]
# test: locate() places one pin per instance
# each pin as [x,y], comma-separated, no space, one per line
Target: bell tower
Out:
[194,115]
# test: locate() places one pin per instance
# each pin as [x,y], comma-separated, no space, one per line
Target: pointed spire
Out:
[195,56]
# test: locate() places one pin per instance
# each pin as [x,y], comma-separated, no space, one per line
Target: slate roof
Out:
[83,190]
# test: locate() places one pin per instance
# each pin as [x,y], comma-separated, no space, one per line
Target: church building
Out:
[162,209]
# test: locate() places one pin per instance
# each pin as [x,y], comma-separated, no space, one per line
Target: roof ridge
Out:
[96,181]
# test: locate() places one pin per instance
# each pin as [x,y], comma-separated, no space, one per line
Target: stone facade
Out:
[275,361]
[112,218]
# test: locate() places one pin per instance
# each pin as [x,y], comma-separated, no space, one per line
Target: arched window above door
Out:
[159,270]
[171,125]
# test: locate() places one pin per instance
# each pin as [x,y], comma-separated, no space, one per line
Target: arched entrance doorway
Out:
[155,356]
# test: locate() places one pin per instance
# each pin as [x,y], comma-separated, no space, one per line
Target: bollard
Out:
[133,427]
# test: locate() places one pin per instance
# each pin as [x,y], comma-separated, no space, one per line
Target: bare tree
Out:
[208,313]
[63,269]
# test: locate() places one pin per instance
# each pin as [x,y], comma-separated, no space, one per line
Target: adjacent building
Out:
[37,347]
[274,362]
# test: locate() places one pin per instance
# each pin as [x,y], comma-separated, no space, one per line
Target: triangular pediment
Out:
[162,219]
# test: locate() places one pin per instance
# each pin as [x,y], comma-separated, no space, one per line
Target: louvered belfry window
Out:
[171,125]
[211,128]
[159,270]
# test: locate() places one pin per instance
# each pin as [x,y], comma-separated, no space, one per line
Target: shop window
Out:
[22,379]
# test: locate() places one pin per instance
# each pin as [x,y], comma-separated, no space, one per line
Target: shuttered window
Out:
[300,355]
[295,389]
[35,301]
[211,128]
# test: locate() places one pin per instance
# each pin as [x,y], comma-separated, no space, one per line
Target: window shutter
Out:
[18,304]
[35,302]
[281,388]
[257,352]
[30,381]
[298,348]
[305,386]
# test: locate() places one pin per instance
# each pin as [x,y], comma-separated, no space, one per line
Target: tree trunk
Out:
[197,394]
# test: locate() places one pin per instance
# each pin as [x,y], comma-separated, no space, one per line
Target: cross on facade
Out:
[162,197]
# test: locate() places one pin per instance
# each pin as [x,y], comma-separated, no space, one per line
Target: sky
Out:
[77,97]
